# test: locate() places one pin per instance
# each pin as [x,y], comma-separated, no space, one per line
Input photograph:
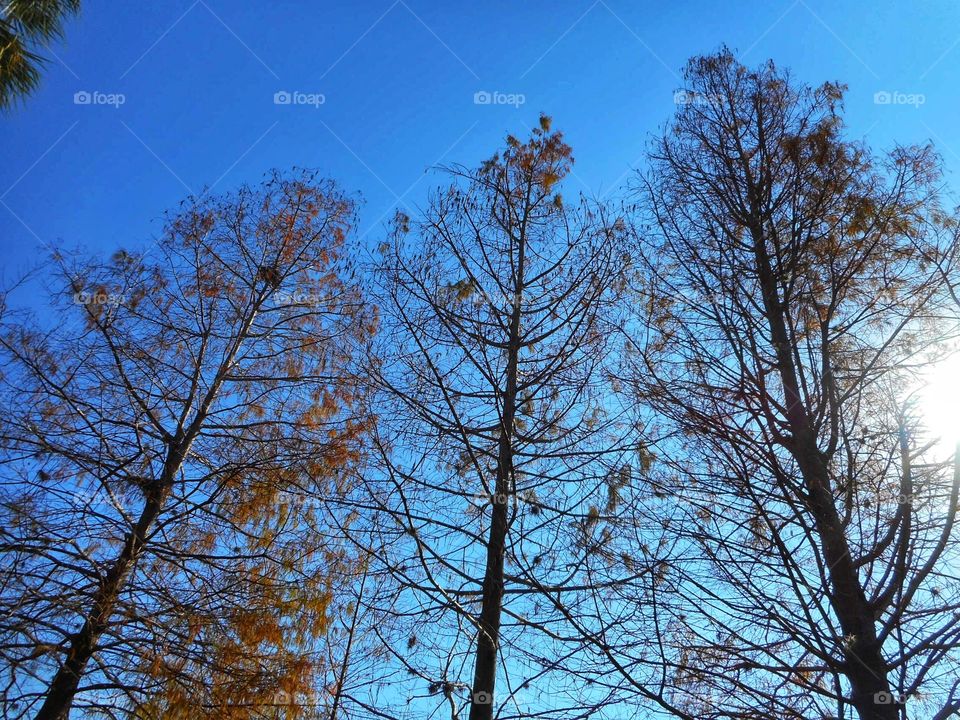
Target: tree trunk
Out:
[348,651]
[864,666]
[488,637]
[64,685]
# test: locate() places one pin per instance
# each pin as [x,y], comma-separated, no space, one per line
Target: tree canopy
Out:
[531,454]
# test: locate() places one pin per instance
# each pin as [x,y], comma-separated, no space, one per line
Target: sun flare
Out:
[939,402]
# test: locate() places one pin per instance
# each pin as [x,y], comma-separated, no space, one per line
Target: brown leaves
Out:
[538,164]
[240,414]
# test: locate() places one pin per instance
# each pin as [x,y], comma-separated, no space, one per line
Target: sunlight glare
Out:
[940,402]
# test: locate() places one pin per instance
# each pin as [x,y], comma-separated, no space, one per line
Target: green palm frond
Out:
[25,25]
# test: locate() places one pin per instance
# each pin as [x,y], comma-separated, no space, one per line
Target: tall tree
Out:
[161,445]
[797,288]
[500,449]
[24,24]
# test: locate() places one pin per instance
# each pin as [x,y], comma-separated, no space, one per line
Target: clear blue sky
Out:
[399,78]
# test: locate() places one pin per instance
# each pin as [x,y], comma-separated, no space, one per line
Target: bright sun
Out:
[939,403]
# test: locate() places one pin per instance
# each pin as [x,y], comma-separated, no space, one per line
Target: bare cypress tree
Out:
[500,447]
[158,444]
[798,288]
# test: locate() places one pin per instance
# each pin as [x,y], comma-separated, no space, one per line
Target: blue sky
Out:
[398,80]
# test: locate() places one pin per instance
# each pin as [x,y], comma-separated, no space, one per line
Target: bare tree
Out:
[796,290]
[500,448]
[161,446]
